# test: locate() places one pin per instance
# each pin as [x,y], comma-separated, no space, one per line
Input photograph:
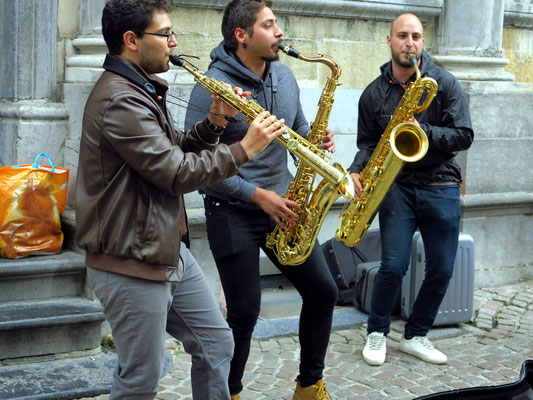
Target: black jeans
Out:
[235,237]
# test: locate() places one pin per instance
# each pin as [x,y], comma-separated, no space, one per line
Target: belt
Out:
[448,183]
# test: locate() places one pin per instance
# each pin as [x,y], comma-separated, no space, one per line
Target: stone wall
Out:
[354,33]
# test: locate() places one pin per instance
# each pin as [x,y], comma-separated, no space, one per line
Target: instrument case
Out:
[457,305]
[364,286]
[343,261]
[519,390]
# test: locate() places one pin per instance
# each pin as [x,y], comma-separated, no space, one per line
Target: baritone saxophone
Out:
[400,143]
[310,155]
[293,243]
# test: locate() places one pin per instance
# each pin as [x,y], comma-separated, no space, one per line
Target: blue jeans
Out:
[436,212]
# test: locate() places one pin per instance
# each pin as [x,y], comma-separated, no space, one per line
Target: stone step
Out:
[46,327]
[71,378]
[42,277]
[280,312]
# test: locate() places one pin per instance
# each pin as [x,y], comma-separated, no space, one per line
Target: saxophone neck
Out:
[327,60]
[186,65]
[414,62]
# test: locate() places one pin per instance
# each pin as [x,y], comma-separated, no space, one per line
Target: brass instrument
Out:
[310,155]
[401,142]
[294,242]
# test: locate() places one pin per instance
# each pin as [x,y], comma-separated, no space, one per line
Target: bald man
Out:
[425,195]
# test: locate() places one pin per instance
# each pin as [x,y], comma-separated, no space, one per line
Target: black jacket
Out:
[446,123]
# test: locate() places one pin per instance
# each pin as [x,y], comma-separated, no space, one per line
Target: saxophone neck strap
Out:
[112,64]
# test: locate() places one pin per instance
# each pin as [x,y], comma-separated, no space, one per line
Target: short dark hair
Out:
[240,14]
[120,16]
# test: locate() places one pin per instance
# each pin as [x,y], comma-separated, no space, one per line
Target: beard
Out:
[396,56]
[275,57]
[271,58]
[153,65]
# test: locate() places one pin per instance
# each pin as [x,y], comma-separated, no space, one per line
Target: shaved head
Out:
[402,18]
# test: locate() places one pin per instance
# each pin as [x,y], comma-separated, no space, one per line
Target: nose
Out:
[173,42]
[409,41]
[279,32]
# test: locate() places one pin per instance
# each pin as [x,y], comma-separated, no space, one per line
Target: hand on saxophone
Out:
[356,178]
[328,142]
[263,129]
[219,109]
[413,121]
[279,208]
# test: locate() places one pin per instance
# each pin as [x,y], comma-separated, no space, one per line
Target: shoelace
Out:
[376,342]
[321,393]
[424,342]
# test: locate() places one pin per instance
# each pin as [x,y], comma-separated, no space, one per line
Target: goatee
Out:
[273,58]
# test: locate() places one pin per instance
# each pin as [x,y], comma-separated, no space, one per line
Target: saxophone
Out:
[293,243]
[310,155]
[401,142]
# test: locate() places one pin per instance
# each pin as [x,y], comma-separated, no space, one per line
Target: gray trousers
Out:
[139,312]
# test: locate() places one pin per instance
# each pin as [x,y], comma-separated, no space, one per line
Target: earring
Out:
[244,45]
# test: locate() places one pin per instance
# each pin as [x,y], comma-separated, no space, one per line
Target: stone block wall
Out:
[497,168]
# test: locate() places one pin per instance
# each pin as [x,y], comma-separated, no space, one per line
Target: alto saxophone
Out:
[401,142]
[310,155]
[294,242]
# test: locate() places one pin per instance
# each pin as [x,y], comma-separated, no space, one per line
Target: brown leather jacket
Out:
[134,168]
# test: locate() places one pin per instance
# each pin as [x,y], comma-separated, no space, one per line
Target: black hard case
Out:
[343,260]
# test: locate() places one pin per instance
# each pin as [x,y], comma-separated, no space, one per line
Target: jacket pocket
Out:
[149,222]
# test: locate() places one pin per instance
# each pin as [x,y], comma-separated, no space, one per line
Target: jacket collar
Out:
[123,66]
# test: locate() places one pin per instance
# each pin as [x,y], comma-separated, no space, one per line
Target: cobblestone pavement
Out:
[489,350]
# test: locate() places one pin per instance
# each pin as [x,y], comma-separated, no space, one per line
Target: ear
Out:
[389,38]
[130,40]
[241,35]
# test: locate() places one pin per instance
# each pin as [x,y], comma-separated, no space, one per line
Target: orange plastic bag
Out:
[32,197]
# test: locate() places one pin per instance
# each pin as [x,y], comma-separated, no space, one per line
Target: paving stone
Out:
[479,354]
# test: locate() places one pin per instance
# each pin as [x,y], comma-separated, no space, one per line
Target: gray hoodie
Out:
[278,93]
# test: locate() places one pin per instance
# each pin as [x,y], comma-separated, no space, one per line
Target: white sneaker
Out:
[375,348]
[421,347]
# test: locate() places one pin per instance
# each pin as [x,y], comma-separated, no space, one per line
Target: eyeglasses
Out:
[167,35]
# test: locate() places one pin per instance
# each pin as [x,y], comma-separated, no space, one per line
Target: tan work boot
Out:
[235,397]
[317,391]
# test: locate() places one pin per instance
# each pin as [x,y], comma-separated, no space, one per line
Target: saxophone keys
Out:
[292,144]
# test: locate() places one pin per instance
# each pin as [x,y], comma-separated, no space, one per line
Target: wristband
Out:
[213,127]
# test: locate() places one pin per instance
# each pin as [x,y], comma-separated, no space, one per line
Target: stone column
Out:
[497,168]
[31,121]
[468,41]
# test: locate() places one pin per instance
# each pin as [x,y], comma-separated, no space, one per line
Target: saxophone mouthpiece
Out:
[176,60]
[179,60]
[412,59]
[289,50]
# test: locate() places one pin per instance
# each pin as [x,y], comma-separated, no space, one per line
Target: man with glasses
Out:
[134,168]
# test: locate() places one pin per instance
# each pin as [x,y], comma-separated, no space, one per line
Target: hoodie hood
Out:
[267,170]
[225,60]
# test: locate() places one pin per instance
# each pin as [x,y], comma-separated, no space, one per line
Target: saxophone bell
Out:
[409,142]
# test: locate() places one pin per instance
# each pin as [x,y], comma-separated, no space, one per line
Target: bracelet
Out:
[213,127]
